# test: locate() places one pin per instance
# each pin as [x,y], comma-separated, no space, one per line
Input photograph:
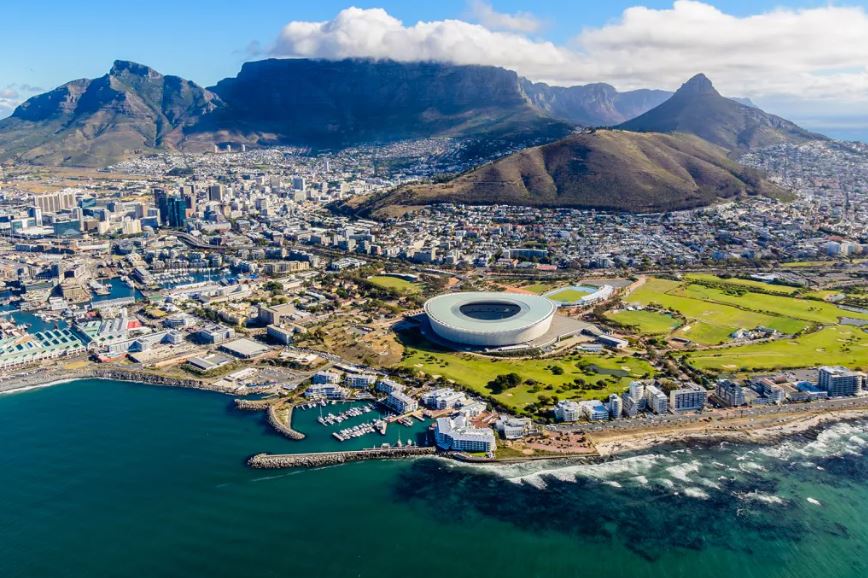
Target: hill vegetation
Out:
[604,169]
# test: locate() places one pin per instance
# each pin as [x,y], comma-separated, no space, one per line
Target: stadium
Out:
[489,319]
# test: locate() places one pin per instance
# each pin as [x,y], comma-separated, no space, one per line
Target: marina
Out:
[331,419]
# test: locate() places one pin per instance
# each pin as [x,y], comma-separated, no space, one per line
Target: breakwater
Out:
[283,426]
[319,459]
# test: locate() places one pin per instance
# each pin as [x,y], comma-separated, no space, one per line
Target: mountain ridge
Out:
[133,108]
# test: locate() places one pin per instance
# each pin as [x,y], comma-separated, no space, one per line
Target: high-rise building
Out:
[161,201]
[176,212]
[55,201]
[217,193]
[839,381]
[656,399]
[730,393]
[616,406]
[690,398]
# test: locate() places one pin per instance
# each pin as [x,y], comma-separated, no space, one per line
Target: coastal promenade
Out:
[320,459]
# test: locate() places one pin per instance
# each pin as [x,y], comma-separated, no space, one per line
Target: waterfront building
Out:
[616,406]
[690,398]
[387,386]
[359,380]
[568,410]
[400,402]
[457,434]
[513,428]
[326,390]
[325,377]
[771,391]
[630,405]
[656,399]
[839,381]
[730,393]
[16,351]
[443,398]
[594,410]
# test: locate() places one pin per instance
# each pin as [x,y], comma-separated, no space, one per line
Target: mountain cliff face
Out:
[604,169]
[96,122]
[304,102]
[592,104]
[336,103]
[697,108]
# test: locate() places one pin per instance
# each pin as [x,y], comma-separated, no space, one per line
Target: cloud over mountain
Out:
[818,53]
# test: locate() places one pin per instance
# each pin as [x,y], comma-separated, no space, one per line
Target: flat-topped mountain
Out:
[338,103]
[604,169]
[697,108]
[304,102]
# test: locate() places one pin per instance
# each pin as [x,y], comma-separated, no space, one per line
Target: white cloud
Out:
[484,13]
[819,53]
[14,94]
[9,99]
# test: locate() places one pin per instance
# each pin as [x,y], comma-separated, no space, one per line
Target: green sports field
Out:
[709,322]
[567,295]
[838,345]
[399,285]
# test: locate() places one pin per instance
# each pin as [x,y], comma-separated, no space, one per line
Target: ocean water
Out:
[103,478]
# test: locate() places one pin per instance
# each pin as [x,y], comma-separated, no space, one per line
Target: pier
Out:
[319,459]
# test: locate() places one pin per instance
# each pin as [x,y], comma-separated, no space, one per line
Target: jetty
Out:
[320,459]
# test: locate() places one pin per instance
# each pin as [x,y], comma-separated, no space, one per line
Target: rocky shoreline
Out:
[314,460]
[761,433]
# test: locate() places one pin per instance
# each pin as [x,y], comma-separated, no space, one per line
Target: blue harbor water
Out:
[113,479]
[117,290]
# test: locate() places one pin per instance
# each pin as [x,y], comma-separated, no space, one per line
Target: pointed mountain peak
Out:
[132,68]
[697,85]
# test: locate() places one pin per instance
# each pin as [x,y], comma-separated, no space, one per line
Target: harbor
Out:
[357,425]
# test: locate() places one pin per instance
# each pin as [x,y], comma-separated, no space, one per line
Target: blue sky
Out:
[50,42]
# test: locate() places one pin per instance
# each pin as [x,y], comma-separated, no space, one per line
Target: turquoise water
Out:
[116,479]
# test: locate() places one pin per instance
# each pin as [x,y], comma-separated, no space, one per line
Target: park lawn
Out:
[804,309]
[567,295]
[647,322]
[840,345]
[708,277]
[540,288]
[473,372]
[708,323]
[399,285]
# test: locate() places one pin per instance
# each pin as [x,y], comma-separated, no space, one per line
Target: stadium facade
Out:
[490,319]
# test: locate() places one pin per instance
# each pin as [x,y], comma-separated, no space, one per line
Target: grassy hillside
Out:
[606,169]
